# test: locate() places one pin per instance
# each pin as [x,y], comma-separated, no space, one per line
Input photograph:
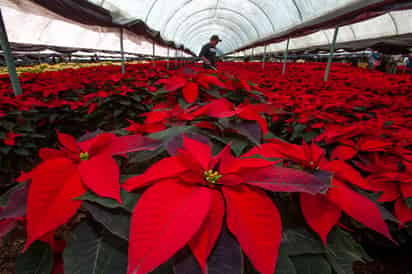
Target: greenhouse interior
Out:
[237,136]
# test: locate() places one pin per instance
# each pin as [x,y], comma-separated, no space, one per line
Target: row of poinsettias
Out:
[188,195]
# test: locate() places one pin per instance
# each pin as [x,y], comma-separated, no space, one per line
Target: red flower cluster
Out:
[334,144]
[67,173]
[191,193]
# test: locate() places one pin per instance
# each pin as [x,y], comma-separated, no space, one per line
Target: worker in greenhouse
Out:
[374,60]
[208,52]
[409,63]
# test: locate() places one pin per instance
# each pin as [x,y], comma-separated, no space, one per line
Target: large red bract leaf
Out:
[255,221]
[406,189]
[347,173]
[166,217]
[280,179]
[97,144]
[55,184]
[219,108]
[358,207]
[101,175]
[191,92]
[266,150]
[68,141]
[374,145]
[163,169]
[49,153]
[343,152]
[205,239]
[320,214]
[402,212]
[201,152]
[173,83]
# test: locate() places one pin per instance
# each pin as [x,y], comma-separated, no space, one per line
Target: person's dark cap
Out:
[215,38]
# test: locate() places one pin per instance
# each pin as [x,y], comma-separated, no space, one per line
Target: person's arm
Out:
[205,60]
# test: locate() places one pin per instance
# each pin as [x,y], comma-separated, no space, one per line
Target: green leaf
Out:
[38,259]
[238,146]
[93,252]
[129,200]
[284,264]
[309,136]
[311,264]
[214,93]
[4,198]
[269,135]
[343,251]
[248,129]
[298,131]
[170,132]
[408,202]
[143,156]
[117,112]
[22,152]
[300,241]
[116,221]
[5,150]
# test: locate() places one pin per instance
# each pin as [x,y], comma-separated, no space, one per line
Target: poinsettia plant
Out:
[191,193]
[240,170]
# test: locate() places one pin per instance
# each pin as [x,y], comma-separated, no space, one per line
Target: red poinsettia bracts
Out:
[67,173]
[190,85]
[187,199]
[222,108]
[322,211]
[11,138]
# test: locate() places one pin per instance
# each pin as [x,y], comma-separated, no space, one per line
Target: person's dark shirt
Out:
[409,62]
[209,52]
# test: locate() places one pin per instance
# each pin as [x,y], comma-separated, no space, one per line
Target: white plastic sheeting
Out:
[191,23]
[238,22]
[30,24]
[394,23]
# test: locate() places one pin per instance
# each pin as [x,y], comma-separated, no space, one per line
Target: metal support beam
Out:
[285,57]
[122,51]
[264,57]
[331,53]
[8,56]
[168,60]
[153,52]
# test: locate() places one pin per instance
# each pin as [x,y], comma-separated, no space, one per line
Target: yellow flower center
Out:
[84,156]
[212,176]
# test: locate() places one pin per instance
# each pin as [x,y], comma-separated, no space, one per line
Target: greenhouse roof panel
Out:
[240,22]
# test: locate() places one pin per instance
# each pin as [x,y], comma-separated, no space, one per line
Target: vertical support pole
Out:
[285,57]
[8,56]
[331,53]
[168,60]
[122,51]
[264,57]
[153,52]
[253,54]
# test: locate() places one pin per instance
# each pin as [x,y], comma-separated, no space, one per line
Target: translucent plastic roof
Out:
[238,22]
[392,24]
[44,28]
